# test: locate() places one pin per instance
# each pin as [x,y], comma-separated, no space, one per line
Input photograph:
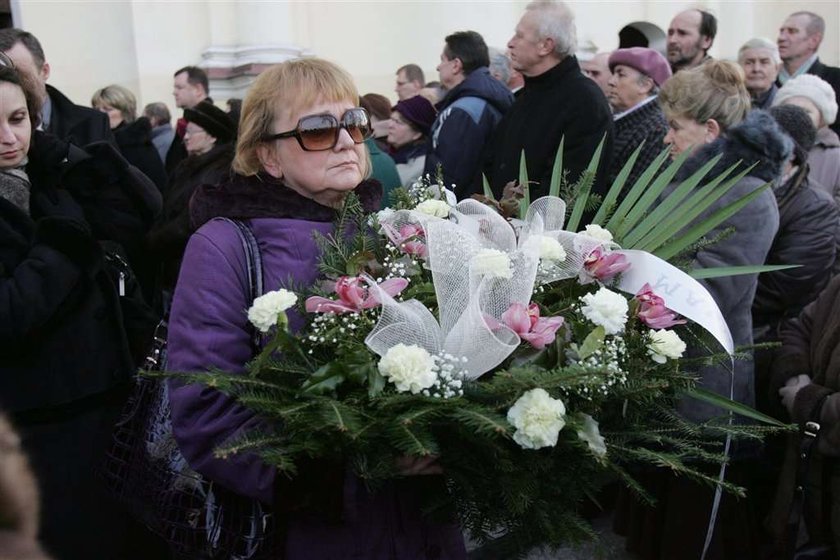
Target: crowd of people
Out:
[109,224]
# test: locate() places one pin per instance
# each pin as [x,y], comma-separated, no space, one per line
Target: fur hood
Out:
[758,139]
[263,196]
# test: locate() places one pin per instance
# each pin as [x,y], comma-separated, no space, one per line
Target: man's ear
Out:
[546,46]
[268,160]
[45,71]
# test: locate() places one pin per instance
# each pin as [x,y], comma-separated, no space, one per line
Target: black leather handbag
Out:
[147,473]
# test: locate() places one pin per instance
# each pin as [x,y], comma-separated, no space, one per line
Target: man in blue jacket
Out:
[467,115]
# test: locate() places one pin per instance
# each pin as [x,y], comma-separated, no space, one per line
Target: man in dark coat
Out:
[558,102]
[190,87]
[59,116]
[799,40]
[469,113]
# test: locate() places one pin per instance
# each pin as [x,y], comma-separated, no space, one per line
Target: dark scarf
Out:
[15,187]
[410,151]
[264,196]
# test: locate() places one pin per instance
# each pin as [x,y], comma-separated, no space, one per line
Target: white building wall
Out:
[140,43]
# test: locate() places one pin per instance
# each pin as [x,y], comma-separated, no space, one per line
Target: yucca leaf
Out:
[722,271]
[720,401]
[526,188]
[618,184]
[650,195]
[693,234]
[557,170]
[653,221]
[488,192]
[583,194]
[637,189]
[685,213]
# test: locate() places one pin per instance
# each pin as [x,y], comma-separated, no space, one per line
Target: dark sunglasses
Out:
[315,133]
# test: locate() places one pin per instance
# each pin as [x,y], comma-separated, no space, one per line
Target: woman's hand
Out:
[791,388]
[410,465]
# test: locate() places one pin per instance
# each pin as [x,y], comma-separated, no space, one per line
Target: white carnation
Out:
[267,308]
[437,208]
[597,232]
[551,249]
[607,309]
[592,435]
[491,262]
[665,344]
[410,368]
[537,418]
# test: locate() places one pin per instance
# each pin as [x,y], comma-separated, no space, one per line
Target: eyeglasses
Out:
[316,133]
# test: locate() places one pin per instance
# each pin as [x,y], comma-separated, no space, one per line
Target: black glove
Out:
[47,159]
[73,238]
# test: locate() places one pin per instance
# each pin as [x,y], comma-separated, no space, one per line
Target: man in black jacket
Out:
[558,102]
[59,116]
[799,40]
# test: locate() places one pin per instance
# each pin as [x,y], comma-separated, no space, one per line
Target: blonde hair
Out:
[289,87]
[119,98]
[714,90]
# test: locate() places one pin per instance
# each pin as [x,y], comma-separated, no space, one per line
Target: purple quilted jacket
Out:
[208,329]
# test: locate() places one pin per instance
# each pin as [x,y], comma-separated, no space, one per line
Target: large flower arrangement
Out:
[502,348]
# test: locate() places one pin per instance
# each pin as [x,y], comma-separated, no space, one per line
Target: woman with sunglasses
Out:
[65,359]
[300,153]
[209,140]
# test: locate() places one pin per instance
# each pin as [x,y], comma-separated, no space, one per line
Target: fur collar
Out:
[758,139]
[263,196]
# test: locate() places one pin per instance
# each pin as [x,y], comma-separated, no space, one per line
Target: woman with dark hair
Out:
[300,153]
[65,358]
[209,140]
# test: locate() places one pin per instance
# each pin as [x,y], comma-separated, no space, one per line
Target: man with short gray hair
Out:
[557,103]
[799,40]
[162,132]
[759,57]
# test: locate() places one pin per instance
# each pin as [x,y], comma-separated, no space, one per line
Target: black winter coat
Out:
[61,336]
[168,238]
[76,124]
[559,103]
[808,229]
[646,124]
[135,142]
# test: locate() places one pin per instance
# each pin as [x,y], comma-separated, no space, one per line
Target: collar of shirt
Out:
[783,73]
[46,114]
[636,106]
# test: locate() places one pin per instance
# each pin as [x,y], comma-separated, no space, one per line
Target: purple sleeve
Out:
[208,329]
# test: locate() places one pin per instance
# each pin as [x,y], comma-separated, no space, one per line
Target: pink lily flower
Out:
[410,239]
[527,323]
[601,265]
[354,295]
[652,311]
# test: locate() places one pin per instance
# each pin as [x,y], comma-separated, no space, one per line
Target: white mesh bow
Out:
[545,218]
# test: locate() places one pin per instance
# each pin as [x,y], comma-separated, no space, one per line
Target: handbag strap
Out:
[810,437]
[253,268]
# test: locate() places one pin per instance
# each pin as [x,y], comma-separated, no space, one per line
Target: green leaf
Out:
[582,196]
[592,342]
[722,271]
[617,186]
[526,187]
[693,234]
[654,220]
[686,212]
[636,190]
[720,401]
[557,170]
[648,198]
[488,192]
[325,379]
[376,383]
